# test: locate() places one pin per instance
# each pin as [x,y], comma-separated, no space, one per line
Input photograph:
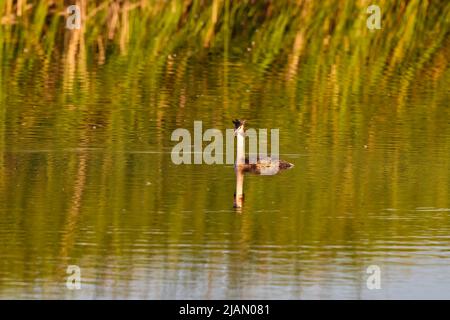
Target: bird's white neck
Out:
[240,149]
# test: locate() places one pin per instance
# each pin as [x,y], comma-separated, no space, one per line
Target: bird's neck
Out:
[240,153]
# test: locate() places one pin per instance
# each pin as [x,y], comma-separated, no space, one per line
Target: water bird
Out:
[262,166]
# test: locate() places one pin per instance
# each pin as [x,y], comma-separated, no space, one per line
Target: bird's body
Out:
[263,166]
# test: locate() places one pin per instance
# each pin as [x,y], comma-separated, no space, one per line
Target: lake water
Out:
[86,179]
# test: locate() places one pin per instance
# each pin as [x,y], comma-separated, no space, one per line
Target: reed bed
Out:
[285,32]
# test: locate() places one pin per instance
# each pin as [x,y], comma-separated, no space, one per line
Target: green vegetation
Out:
[286,32]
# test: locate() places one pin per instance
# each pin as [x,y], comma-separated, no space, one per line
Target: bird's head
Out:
[238,126]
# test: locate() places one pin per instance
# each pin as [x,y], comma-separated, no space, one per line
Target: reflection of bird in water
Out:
[239,195]
[263,166]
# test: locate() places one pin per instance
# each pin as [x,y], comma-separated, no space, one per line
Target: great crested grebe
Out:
[263,166]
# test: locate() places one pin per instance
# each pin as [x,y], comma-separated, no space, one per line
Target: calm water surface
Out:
[86,179]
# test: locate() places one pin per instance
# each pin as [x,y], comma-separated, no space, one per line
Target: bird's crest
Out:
[238,123]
